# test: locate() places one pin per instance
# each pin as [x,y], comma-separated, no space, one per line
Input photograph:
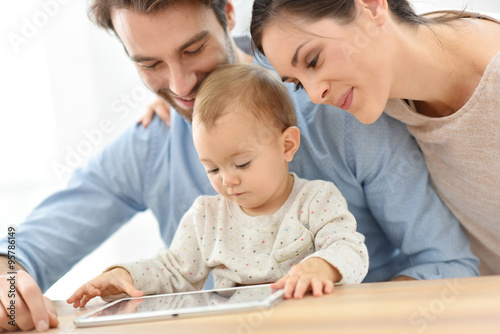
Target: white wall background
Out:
[60,77]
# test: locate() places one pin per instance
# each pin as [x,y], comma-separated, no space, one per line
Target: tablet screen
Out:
[182,304]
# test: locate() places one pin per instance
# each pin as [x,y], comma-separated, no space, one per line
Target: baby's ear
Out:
[291,141]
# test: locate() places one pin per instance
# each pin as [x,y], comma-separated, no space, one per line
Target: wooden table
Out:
[466,305]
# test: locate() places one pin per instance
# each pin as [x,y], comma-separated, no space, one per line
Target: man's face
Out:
[175,50]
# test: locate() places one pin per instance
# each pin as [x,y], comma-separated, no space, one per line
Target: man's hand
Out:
[314,275]
[159,107]
[110,283]
[32,308]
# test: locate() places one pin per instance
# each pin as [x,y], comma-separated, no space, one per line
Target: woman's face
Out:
[342,65]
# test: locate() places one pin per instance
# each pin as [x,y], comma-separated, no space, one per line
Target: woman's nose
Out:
[318,93]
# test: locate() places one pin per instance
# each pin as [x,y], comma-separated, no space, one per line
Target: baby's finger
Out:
[130,289]
[71,299]
[302,287]
[76,302]
[93,290]
[280,284]
[77,296]
[328,287]
[88,292]
[85,300]
[317,287]
[289,288]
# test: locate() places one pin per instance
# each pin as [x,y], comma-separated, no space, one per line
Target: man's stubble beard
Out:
[187,114]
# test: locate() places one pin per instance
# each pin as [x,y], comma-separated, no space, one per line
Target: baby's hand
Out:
[313,274]
[113,282]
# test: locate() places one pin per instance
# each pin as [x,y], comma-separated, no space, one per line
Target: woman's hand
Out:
[113,282]
[314,275]
[159,107]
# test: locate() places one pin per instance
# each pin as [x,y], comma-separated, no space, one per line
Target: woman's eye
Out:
[298,86]
[243,165]
[313,62]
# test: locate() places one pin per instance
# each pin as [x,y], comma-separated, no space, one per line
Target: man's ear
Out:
[231,15]
[291,142]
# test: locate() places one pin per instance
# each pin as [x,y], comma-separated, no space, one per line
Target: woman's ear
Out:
[231,15]
[376,9]
[291,142]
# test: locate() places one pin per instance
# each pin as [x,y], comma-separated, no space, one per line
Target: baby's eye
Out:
[213,171]
[243,165]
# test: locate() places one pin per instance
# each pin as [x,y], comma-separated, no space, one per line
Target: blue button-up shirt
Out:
[378,168]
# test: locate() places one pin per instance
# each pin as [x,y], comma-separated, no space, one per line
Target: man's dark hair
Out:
[100,10]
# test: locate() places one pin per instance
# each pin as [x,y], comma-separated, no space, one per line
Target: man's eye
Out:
[194,52]
[149,67]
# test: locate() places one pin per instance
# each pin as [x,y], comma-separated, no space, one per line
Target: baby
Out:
[267,224]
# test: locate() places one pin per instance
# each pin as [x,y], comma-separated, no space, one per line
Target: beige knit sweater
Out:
[462,152]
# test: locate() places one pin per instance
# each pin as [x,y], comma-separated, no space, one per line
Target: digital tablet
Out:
[184,304]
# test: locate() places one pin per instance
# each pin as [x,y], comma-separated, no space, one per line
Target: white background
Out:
[60,80]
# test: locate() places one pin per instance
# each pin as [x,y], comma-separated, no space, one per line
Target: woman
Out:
[439,74]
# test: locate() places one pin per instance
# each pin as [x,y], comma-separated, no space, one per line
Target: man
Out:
[174,45]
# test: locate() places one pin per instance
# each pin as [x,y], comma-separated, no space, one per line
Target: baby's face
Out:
[242,165]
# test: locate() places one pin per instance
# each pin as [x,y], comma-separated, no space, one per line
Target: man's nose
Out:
[182,80]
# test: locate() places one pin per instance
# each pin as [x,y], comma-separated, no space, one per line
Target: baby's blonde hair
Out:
[250,88]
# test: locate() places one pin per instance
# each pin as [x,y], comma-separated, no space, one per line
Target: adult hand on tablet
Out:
[314,275]
[113,282]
